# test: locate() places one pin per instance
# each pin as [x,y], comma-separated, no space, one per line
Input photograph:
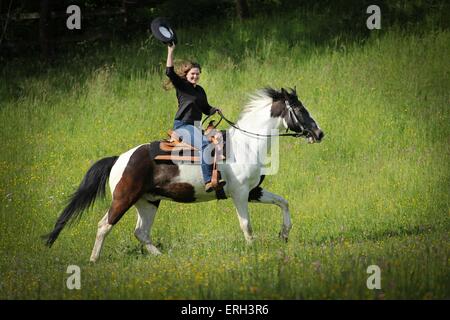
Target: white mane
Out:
[257,133]
[258,101]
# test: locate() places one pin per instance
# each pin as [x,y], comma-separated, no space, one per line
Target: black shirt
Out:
[192,101]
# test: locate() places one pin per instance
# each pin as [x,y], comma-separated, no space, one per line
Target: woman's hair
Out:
[182,70]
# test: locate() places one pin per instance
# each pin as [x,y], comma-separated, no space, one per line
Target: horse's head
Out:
[287,106]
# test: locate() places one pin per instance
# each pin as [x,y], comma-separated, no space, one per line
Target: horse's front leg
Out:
[240,200]
[259,195]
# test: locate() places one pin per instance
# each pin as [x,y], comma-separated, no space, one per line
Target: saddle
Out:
[175,150]
[174,147]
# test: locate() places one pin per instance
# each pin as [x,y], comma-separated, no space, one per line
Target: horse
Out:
[135,179]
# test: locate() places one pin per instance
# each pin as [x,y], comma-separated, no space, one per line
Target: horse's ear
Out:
[292,92]
[284,92]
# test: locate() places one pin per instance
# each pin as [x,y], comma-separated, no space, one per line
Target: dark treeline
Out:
[39,26]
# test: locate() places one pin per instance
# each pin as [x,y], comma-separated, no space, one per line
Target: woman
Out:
[192,102]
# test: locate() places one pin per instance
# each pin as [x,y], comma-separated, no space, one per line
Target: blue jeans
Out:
[192,134]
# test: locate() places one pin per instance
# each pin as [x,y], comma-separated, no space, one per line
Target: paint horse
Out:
[135,178]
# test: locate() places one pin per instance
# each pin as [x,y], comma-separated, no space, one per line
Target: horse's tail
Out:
[93,185]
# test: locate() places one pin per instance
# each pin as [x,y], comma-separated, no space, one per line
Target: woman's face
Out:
[193,75]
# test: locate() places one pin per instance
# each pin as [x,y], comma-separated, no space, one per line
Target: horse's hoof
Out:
[250,240]
[283,237]
[153,250]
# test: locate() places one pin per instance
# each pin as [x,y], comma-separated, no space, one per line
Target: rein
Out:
[231,123]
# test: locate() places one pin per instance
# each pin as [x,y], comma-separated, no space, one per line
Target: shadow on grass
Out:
[374,236]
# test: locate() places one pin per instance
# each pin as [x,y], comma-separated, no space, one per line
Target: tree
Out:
[242,9]
[44,29]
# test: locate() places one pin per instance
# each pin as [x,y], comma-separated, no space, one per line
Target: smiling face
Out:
[193,75]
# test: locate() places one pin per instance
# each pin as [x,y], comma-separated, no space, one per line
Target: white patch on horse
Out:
[249,151]
[192,174]
[153,197]
[119,167]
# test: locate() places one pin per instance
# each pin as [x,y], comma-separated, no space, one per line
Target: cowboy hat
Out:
[162,31]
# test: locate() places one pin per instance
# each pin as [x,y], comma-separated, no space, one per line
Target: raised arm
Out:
[170,72]
[170,50]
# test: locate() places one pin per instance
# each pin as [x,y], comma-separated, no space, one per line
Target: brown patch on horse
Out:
[180,192]
[162,185]
[131,186]
[278,109]
[143,175]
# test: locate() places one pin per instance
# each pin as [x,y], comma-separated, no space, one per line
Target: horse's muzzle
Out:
[315,135]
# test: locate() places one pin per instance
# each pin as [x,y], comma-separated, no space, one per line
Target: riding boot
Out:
[209,186]
[213,183]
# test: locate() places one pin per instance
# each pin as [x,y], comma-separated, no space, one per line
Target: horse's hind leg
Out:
[103,229]
[127,181]
[146,215]
[259,195]
[116,211]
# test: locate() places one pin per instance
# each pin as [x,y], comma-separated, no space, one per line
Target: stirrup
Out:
[209,187]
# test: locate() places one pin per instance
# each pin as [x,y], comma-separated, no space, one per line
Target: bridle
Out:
[292,121]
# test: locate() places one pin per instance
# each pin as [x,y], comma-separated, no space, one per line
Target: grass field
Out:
[375,192]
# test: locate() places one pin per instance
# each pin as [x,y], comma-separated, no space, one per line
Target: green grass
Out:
[376,191]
